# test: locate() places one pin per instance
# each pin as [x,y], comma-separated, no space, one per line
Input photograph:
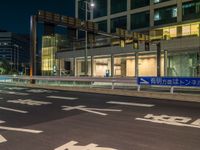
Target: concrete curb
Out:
[155,95]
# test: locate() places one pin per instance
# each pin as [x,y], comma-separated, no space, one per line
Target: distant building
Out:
[15,49]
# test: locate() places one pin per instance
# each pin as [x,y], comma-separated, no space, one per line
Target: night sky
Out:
[15,14]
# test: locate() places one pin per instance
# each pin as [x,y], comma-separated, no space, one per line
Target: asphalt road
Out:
[38,119]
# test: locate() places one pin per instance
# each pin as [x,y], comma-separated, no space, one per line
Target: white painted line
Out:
[14,110]
[2,139]
[1,98]
[14,93]
[20,130]
[168,123]
[131,104]
[90,110]
[64,98]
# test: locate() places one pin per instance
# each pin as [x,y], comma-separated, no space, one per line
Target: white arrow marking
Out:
[72,146]
[131,104]
[14,110]
[144,81]
[60,97]
[2,139]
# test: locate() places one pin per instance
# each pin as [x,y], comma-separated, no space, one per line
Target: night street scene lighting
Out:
[100,75]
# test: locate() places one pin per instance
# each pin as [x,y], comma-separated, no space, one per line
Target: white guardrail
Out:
[58,80]
[113,83]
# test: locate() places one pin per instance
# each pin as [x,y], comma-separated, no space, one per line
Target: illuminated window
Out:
[173,32]
[186,30]
[195,29]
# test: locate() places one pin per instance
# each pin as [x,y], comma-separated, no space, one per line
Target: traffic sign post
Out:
[169,81]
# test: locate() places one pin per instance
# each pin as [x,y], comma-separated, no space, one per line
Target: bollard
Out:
[172,90]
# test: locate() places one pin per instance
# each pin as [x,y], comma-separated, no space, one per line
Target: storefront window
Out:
[124,66]
[102,67]
[183,65]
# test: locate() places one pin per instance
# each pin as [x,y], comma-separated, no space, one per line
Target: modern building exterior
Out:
[14,48]
[50,45]
[173,23]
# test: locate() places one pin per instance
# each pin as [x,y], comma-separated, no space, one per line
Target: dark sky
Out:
[15,14]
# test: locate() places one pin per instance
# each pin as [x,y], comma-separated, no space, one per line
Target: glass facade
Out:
[190,29]
[50,45]
[140,20]
[118,6]
[100,9]
[183,65]
[139,3]
[159,1]
[165,15]
[102,25]
[191,10]
[120,22]
[82,10]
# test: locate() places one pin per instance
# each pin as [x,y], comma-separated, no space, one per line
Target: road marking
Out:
[171,120]
[72,146]
[38,91]
[16,88]
[13,93]
[90,110]
[131,104]
[20,130]
[64,98]
[2,139]
[1,98]
[14,110]
[29,102]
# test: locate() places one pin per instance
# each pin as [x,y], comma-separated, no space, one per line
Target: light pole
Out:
[90,5]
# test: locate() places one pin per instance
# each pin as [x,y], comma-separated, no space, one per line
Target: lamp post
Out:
[90,5]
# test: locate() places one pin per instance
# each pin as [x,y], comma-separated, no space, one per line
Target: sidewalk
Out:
[145,94]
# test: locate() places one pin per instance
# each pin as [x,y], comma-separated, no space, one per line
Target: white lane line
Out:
[168,123]
[13,93]
[131,104]
[20,130]
[14,110]
[1,98]
[61,97]
[2,139]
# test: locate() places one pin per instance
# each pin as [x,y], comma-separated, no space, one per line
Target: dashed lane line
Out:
[14,110]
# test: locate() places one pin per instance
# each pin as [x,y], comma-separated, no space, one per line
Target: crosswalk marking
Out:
[14,110]
[61,97]
[131,104]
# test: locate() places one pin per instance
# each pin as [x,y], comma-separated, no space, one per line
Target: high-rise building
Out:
[14,48]
[173,23]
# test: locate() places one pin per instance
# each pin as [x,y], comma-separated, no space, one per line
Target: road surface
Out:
[38,119]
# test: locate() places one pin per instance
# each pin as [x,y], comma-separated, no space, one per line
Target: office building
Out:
[14,48]
[173,23]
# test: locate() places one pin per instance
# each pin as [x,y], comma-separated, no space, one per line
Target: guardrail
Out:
[92,82]
[74,81]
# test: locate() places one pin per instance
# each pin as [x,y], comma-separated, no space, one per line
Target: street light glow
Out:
[92,4]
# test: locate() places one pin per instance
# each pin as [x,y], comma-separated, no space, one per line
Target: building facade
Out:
[174,23]
[14,48]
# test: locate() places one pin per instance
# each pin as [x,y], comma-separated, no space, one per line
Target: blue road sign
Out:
[169,81]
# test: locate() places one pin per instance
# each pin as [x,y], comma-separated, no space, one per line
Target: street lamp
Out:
[90,5]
